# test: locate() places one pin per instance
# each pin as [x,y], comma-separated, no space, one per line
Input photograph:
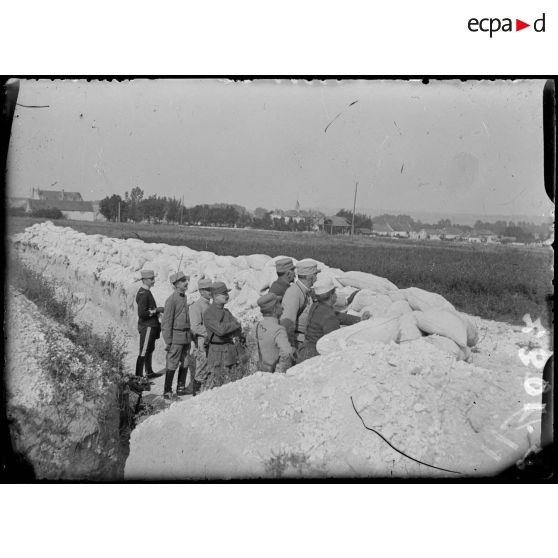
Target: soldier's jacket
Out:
[323,319]
[146,302]
[280,286]
[196,312]
[220,325]
[296,304]
[176,323]
[274,349]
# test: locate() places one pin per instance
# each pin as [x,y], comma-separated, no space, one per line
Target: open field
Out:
[494,282]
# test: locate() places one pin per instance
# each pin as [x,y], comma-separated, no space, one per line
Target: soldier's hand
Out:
[160,310]
[167,348]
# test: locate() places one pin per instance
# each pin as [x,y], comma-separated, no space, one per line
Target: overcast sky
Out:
[453,147]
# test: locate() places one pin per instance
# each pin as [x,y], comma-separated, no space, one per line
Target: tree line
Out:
[135,207]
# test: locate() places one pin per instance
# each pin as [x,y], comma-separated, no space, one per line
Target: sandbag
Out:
[420,299]
[397,295]
[257,261]
[448,346]
[442,322]
[361,280]
[382,330]
[367,297]
[399,308]
[408,329]
[377,307]
[471,327]
[265,278]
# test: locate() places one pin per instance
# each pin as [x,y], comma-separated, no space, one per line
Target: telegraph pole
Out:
[354,209]
[119,212]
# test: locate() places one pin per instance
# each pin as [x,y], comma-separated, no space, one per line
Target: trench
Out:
[102,305]
[95,454]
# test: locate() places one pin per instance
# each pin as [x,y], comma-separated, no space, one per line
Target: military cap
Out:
[219,288]
[147,274]
[177,277]
[324,288]
[307,267]
[284,264]
[268,301]
[204,283]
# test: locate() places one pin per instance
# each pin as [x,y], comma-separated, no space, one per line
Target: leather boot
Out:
[180,388]
[149,367]
[139,366]
[169,377]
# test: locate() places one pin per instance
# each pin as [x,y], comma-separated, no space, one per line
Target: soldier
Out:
[285,276]
[176,334]
[323,319]
[149,327]
[224,332]
[198,362]
[274,350]
[297,301]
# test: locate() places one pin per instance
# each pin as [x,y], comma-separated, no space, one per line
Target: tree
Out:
[109,207]
[133,201]
[153,208]
[443,223]
[172,213]
[362,221]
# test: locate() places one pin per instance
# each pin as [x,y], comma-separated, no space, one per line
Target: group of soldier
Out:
[207,339]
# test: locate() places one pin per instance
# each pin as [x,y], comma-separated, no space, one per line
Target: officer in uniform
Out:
[149,327]
[224,333]
[297,301]
[274,350]
[323,319]
[285,276]
[176,334]
[198,362]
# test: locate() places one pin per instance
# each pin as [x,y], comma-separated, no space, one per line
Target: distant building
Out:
[55,195]
[433,233]
[364,231]
[418,235]
[452,233]
[334,225]
[401,231]
[71,204]
[77,210]
[294,215]
[382,229]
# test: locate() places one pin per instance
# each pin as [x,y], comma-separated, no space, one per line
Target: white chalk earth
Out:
[465,417]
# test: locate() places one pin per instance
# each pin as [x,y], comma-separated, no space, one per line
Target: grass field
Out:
[493,281]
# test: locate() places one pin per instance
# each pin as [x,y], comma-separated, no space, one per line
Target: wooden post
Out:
[119,212]
[354,209]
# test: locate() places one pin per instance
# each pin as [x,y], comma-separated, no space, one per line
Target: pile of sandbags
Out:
[396,315]
[402,315]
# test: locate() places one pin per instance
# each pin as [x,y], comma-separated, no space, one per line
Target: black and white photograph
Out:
[222,279]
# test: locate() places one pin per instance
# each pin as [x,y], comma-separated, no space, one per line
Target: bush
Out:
[16,211]
[108,348]
[53,213]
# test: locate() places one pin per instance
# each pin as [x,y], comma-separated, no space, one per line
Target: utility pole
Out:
[354,209]
[181,207]
[119,212]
